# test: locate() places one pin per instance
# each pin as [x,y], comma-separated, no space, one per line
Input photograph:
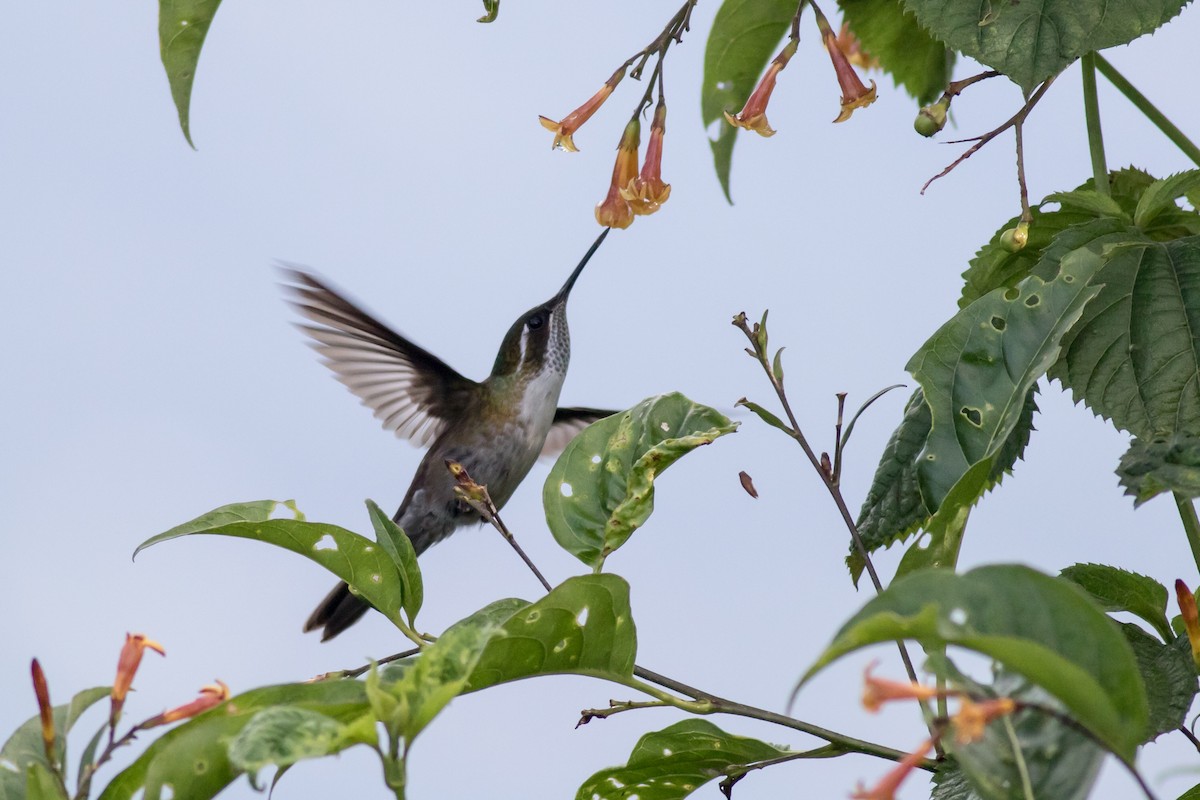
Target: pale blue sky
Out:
[152,374]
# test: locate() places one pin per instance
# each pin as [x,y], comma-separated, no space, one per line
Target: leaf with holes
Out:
[1169,675]
[1133,357]
[1044,628]
[1168,464]
[742,40]
[905,50]
[894,509]
[182,26]
[601,489]
[425,684]
[1117,589]
[25,749]
[193,760]
[361,563]
[399,548]
[283,735]
[977,370]
[583,627]
[1033,40]
[674,762]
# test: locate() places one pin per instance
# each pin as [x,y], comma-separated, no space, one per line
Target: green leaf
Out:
[894,509]
[491,9]
[674,762]
[1168,464]
[1060,761]
[743,38]
[426,684]
[361,563]
[583,627]
[601,489]
[1161,195]
[1120,590]
[1191,794]
[1091,202]
[1032,40]
[400,549]
[1169,675]
[1132,357]
[40,784]
[1044,628]
[182,26]
[194,756]
[283,735]
[905,50]
[765,416]
[979,367]
[25,749]
[950,783]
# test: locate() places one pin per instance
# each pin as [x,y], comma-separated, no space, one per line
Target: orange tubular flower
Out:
[887,786]
[1191,617]
[877,691]
[127,666]
[973,717]
[210,696]
[647,192]
[753,116]
[854,93]
[42,691]
[614,210]
[566,127]
[852,47]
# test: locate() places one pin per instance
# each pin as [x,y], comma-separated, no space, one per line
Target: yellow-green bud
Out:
[932,118]
[1014,239]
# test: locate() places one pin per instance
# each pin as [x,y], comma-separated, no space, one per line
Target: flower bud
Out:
[932,118]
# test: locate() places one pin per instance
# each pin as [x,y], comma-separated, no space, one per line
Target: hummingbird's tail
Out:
[338,611]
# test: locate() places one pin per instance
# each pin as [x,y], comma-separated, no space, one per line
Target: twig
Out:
[759,352]
[736,774]
[476,496]
[980,141]
[354,673]
[1026,213]
[1191,737]
[955,88]
[616,707]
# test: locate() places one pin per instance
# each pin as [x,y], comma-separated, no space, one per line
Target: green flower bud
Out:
[932,118]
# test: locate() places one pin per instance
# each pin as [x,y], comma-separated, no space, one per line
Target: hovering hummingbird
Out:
[496,428]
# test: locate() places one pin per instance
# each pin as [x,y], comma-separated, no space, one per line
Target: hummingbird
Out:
[496,428]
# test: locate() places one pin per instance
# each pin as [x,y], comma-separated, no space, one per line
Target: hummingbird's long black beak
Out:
[566,289]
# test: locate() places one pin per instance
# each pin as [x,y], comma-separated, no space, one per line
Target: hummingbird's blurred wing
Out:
[413,392]
[568,422]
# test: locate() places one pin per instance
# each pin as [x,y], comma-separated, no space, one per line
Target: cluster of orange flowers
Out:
[855,94]
[136,644]
[630,193]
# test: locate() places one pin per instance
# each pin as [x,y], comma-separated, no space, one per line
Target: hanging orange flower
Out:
[854,93]
[210,696]
[877,691]
[647,192]
[614,211]
[127,666]
[565,128]
[973,717]
[753,116]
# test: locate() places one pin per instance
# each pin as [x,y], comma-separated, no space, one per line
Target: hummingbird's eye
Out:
[535,321]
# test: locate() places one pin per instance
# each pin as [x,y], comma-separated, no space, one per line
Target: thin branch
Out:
[736,774]
[1026,213]
[1191,737]
[980,141]
[354,673]
[955,88]
[476,496]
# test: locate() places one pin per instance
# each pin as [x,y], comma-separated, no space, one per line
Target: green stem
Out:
[1022,767]
[1191,525]
[1152,113]
[1091,112]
